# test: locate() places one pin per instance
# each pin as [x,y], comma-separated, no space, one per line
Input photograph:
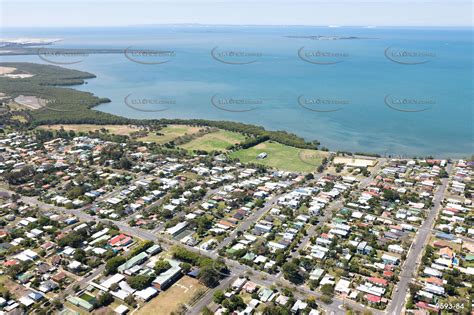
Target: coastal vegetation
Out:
[65,105]
[67,110]
[124,130]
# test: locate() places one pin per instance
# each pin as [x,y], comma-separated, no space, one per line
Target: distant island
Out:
[27,42]
[35,46]
[22,50]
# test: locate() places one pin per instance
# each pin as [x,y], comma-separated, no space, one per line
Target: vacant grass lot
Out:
[170,133]
[167,302]
[123,130]
[214,141]
[282,157]
[14,288]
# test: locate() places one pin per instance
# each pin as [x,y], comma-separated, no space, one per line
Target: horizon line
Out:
[244,25]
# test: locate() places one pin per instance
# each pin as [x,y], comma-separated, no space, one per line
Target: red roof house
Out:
[378,281]
[120,240]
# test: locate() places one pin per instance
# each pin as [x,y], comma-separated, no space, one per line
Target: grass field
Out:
[3,280]
[214,141]
[19,118]
[115,129]
[168,301]
[282,157]
[170,132]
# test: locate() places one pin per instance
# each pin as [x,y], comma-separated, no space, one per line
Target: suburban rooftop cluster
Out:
[97,223]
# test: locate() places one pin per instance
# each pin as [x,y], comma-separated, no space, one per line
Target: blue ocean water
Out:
[397,91]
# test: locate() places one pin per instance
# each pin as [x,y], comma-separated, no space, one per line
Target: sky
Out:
[76,13]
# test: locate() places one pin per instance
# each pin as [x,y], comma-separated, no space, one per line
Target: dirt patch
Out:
[103,311]
[6,70]
[18,75]
[182,292]
[30,102]
[354,162]
[14,288]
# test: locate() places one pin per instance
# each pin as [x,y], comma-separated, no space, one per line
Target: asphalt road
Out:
[236,269]
[366,182]
[247,222]
[328,211]
[207,298]
[416,251]
[83,282]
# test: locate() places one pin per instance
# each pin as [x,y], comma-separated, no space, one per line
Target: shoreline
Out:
[280,136]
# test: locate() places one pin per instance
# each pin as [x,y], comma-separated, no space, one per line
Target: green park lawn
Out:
[214,141]
[282,157]
[170,133]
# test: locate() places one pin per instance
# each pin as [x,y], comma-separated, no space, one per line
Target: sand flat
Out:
[31,102]
[6,70]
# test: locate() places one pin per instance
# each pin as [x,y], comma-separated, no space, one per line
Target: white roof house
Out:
[26,301]
[121,309]
[111,280]
[342,286]
[146,294]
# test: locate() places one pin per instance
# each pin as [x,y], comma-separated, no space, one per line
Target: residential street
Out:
[416,251]
[263,278]
[247,222]
[235,267]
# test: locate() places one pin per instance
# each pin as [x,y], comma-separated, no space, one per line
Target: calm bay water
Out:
[388,90]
